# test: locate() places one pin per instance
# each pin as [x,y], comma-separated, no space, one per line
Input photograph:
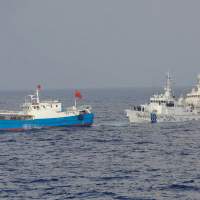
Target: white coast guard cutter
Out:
[163,108]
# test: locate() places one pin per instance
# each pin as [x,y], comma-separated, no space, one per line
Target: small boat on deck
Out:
[37,114]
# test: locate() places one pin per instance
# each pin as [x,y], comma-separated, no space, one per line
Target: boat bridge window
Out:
[36,107]
[159,102]
[170,104]
[193,96]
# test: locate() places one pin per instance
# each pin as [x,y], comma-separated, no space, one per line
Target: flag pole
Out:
[77,96]
[75,102]
[37,95]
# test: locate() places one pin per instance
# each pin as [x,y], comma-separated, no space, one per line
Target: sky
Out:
[98,43]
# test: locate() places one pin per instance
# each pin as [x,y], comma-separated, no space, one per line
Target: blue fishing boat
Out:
[46,114]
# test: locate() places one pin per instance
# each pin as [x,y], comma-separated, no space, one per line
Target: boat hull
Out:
[69,121]
[145,117]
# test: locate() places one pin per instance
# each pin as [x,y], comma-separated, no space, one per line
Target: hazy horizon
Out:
[98,44]
[186,88]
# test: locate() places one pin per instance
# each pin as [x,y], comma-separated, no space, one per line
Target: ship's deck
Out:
[13,115]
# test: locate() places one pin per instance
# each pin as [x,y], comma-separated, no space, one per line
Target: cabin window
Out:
[170,104]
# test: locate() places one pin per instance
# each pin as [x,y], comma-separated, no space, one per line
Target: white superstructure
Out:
[193,97]
[35,109]
[163,107]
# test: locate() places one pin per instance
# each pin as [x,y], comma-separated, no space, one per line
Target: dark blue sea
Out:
[112,160]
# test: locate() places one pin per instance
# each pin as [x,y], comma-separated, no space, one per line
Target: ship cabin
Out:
[42,109]
[55,106]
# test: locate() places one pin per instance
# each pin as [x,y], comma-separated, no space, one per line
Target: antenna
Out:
[168,89]
[37,93]
[37,96]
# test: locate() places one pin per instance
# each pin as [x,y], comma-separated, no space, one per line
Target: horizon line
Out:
[94,88]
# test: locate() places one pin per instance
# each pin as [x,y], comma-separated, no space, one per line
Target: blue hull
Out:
[80,120]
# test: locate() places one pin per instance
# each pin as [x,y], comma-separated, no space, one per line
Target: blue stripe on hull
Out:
[84,120]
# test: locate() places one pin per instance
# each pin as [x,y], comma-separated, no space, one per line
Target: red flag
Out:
[39,87]
[77,94]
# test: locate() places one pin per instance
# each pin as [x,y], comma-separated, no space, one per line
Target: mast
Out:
[37,94]
[75,102]
[168,89]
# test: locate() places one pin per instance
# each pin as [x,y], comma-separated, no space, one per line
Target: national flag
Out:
[77,94]
[39,87]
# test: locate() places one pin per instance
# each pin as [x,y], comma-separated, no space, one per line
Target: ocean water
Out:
[112,160]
